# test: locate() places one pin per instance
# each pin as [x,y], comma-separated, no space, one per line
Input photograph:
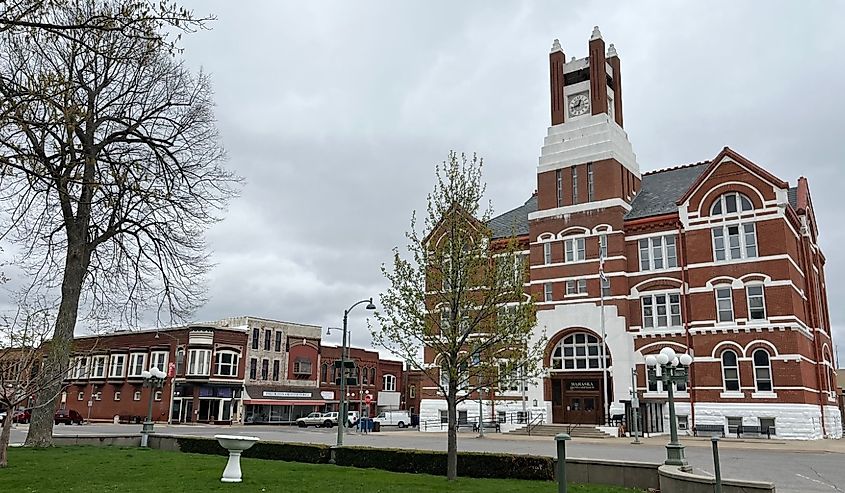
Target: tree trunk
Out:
[55,367]
[452,440]
[5,435]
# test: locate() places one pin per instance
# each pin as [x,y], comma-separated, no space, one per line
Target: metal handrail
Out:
[535,422]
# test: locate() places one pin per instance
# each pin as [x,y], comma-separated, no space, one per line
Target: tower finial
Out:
[596,33]
[556,46]
[611,50]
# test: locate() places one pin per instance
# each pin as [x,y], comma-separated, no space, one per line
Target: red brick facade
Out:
[382,379]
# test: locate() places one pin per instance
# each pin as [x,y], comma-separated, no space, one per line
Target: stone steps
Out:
[575,431]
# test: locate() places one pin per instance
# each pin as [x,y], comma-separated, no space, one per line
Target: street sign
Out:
[368,398]
[349,364]
[350,382]
[90,403]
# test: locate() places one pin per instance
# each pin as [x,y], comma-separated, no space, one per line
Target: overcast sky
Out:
[337,112]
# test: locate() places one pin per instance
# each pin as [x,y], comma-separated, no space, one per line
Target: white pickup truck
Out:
[316,419]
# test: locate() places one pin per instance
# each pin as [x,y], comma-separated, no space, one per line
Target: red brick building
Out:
[204,364]
[718,259]
[382,379]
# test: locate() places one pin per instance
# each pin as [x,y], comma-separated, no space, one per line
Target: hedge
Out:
[470,464]
[291,452]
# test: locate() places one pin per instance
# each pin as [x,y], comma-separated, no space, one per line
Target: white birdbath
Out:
[235,445]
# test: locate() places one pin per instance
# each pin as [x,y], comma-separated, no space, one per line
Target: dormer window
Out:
[731,203]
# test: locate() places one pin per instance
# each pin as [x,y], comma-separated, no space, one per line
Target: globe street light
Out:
[342,417]
[153,379]
[673,369]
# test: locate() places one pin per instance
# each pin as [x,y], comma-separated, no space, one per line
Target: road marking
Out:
[819,482]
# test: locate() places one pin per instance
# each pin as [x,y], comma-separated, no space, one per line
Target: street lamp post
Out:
[342,417]
[153,379]
[673,369]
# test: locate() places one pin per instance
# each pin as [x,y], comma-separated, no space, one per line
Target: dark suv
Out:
[67,416]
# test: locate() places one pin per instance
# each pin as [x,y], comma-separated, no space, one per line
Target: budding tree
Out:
[111,169]
[456,309]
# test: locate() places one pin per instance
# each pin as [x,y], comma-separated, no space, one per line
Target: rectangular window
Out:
[661,310]
[276,370]
[559,181]
[253,368]
[117,396]
[547,291]
[117,369]
[227,363]
[605,287]
[683,422]
[136,396]
[734,422]
[576,286]
[547,253]
[756,302]
[158,359]
[659,252]
[734,242]
[265,369]
[576,250]
[137,364]
[268,339]
[199,362]
[574,184]
[767,424]
[98,369]
[157,396]
[724,304]
[590,186]
[256,335]
[302,366]
[603,246]
[80,396]
[279,335]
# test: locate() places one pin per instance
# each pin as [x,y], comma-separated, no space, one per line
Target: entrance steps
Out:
[575,431]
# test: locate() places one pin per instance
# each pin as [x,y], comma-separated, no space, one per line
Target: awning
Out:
[269,402]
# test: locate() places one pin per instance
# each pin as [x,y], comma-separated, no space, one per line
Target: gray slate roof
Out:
[515,221]
[660,190]
[792,195]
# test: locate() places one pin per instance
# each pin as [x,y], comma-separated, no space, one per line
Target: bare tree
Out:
[158,22]
[24,338]
[111,169]
[456,309]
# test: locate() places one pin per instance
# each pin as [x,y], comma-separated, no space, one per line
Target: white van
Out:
[401,419]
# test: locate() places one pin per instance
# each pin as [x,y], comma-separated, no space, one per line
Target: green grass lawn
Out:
[107,469]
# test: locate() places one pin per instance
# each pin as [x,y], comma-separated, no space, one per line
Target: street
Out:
[795,467]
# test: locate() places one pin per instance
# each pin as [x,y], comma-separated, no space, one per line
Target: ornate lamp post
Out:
[673,369]
[154,379]
[342,417]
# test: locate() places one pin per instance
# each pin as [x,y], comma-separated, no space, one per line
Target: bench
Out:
[466,424]
[720,429]
[754,430]
[491,425]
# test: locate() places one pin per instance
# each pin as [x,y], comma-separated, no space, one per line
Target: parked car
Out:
[401,419]
[313,419]
[67,416]
[22,416]
[352,418]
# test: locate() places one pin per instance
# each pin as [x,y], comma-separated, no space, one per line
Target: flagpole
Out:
[602,280]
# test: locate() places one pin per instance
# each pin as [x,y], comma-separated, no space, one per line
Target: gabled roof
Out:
[659,190]
[514,222]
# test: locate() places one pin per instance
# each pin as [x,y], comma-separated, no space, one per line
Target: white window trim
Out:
[547,253]
[389,378]
[738,374]
[578,284]
[133,360]
[105,366]
[668,305]
[548,292]
[716,296]
[236,357]
[664,251]
[572,245]
[765,318]
[124,365]
[723,205]
[154,357]
[136,396]
[743,252]
[754,368]
[192,370]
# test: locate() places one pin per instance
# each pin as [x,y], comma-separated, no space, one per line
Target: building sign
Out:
[577,385]
[327,395]
[299,395]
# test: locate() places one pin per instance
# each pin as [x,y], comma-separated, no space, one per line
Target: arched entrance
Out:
[577,388]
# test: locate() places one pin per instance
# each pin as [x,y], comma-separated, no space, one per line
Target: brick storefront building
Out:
[204,365]
[718,259]
[383,379]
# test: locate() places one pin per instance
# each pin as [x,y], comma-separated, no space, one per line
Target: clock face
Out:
[579,104]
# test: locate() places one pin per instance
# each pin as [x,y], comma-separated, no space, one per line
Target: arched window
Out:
[372,376]
[730,371]
[227,363]
[324,373]
[389,383]
[827,371]
[577,352]
[731,203]
[762,371]
[365,376]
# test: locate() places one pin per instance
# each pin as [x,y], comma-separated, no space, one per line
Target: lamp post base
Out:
[146,431]
[675,456]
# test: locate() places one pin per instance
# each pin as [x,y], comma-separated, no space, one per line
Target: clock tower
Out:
[587,178]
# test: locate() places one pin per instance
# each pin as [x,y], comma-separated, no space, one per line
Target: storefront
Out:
[206,403]
[265,406]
